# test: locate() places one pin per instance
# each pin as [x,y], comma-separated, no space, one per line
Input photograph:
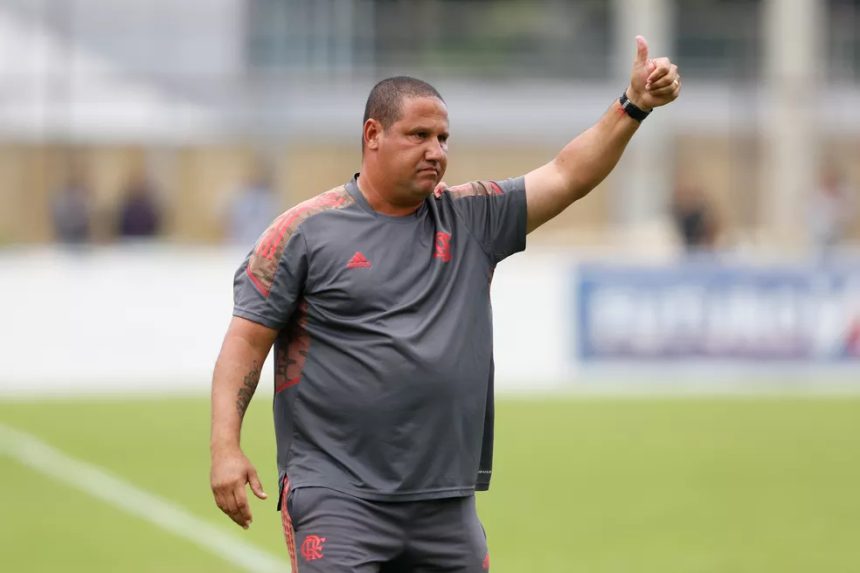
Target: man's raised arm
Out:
[588,159]
[237,372]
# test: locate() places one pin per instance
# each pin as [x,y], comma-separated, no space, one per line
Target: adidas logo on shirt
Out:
[358,261]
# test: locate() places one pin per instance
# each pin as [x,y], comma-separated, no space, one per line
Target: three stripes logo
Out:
[358,260]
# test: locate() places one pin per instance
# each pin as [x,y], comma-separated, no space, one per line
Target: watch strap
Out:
[631,109]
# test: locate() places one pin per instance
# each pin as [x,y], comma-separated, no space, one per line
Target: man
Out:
[376,297]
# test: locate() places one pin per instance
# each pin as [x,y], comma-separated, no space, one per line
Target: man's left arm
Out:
[584,162]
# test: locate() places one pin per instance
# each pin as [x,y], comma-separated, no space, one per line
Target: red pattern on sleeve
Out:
[475,188]
[270,247]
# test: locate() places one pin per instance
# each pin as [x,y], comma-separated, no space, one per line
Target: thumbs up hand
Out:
[652,82]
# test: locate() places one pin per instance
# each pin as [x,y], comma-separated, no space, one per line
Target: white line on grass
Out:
[36,454]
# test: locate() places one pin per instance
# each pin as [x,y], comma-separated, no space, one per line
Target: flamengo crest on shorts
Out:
[312,547]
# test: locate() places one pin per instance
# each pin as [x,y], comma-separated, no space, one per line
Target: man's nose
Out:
[435,151]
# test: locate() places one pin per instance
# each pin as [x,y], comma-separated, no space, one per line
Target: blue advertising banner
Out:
[710,311]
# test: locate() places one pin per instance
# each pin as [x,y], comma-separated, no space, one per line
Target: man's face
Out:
[413,151]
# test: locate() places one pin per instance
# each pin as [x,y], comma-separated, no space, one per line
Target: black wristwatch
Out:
[632,110]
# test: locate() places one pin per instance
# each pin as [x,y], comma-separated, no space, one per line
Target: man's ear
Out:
[372,132]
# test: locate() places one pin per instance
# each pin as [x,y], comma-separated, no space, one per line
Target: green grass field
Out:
[581,484]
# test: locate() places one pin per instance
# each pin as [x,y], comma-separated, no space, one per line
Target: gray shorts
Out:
[329,531]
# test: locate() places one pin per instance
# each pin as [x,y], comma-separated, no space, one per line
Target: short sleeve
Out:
[495,212]
[270,282]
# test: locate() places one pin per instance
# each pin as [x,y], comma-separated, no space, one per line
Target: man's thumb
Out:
[256,486]
[641,50]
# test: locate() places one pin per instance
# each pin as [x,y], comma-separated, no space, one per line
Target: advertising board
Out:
[710,311]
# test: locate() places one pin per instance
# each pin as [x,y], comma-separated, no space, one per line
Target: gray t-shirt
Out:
[384,361]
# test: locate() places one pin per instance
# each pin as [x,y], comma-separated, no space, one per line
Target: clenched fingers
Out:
[666,80]
[669,90]
[662,67]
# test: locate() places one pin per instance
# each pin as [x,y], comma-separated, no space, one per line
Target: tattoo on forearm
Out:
[246,392]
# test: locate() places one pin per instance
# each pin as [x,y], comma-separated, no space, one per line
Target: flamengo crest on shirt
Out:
[443,246]
[358,261]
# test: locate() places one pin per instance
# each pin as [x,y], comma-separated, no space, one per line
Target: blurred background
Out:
[151,141]
[145,145]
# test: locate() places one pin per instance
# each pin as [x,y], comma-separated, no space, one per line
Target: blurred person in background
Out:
[252,209]
[831,210]
[140,213]
[695,220]
[375,295]
[72,210]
